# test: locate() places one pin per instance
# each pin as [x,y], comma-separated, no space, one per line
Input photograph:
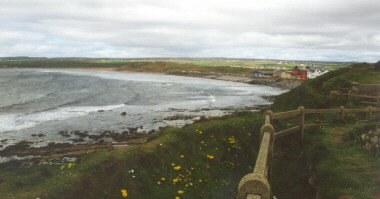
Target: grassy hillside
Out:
[204,160]
[314,93]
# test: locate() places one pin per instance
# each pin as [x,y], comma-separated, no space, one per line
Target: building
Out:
[309,72]
[287,75]
[277,73]
[261,74]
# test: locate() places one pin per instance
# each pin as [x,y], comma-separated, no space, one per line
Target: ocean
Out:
[40,101]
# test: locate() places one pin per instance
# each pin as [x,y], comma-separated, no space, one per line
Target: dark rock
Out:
[133,129]
[20,146]
[41,135]
[4,141]
[1,146]
[100,111]
[124,114]
[64,133]
[101,141]
[58,145]
[34,135]
[105,134]
[81,134]
[77,140]
[95,137]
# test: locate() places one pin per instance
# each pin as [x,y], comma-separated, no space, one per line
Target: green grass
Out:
[312,93]
[105,174]
[347,168]
[204,65]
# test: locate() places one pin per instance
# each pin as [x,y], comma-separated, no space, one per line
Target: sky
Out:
[319,30]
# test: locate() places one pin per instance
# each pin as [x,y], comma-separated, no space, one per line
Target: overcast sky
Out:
[332,30]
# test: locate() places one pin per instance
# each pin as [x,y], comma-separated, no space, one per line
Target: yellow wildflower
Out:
[175,180]
[173,164]
[177,197]
[68,166]
[180,191]
[163,179]
[177,167]
[158,182]
[200,132]
[182,156]
[211,157]
[200,180]
[202,142]
[124,193]
[191,184]
[62,167]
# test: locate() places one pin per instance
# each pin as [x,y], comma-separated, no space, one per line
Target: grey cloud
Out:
[280,29]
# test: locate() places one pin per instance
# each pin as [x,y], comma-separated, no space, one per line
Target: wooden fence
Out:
[256,185]
[365,99]
[364,93]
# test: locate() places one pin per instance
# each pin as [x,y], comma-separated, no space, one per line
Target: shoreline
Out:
[39,155]
[272,82]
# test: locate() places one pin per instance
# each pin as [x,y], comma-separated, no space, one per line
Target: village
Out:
[298,72]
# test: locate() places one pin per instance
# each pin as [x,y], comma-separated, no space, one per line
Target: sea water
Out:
[40,101]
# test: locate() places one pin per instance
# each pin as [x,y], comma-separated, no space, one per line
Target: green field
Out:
[233,66]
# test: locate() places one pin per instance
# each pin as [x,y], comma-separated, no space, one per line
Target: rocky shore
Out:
[77,143]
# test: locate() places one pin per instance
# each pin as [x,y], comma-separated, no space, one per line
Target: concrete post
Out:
[301,109]
[341,113]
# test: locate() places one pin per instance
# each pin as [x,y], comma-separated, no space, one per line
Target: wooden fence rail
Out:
[359,98]
[256,185]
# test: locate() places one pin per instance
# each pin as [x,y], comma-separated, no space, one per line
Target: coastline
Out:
[31,154]
[272,82]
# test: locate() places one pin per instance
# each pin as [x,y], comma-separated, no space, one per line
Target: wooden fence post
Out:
[369,113]
[341,113]
[270,113]
[302,120]
[269,128]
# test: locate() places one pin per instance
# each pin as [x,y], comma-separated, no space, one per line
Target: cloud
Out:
[280,29]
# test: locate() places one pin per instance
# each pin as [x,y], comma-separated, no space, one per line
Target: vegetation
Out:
[219,65]
[216,155]
[175,67]
[314,93]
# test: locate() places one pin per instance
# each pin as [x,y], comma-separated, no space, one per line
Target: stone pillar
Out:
[301,109]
